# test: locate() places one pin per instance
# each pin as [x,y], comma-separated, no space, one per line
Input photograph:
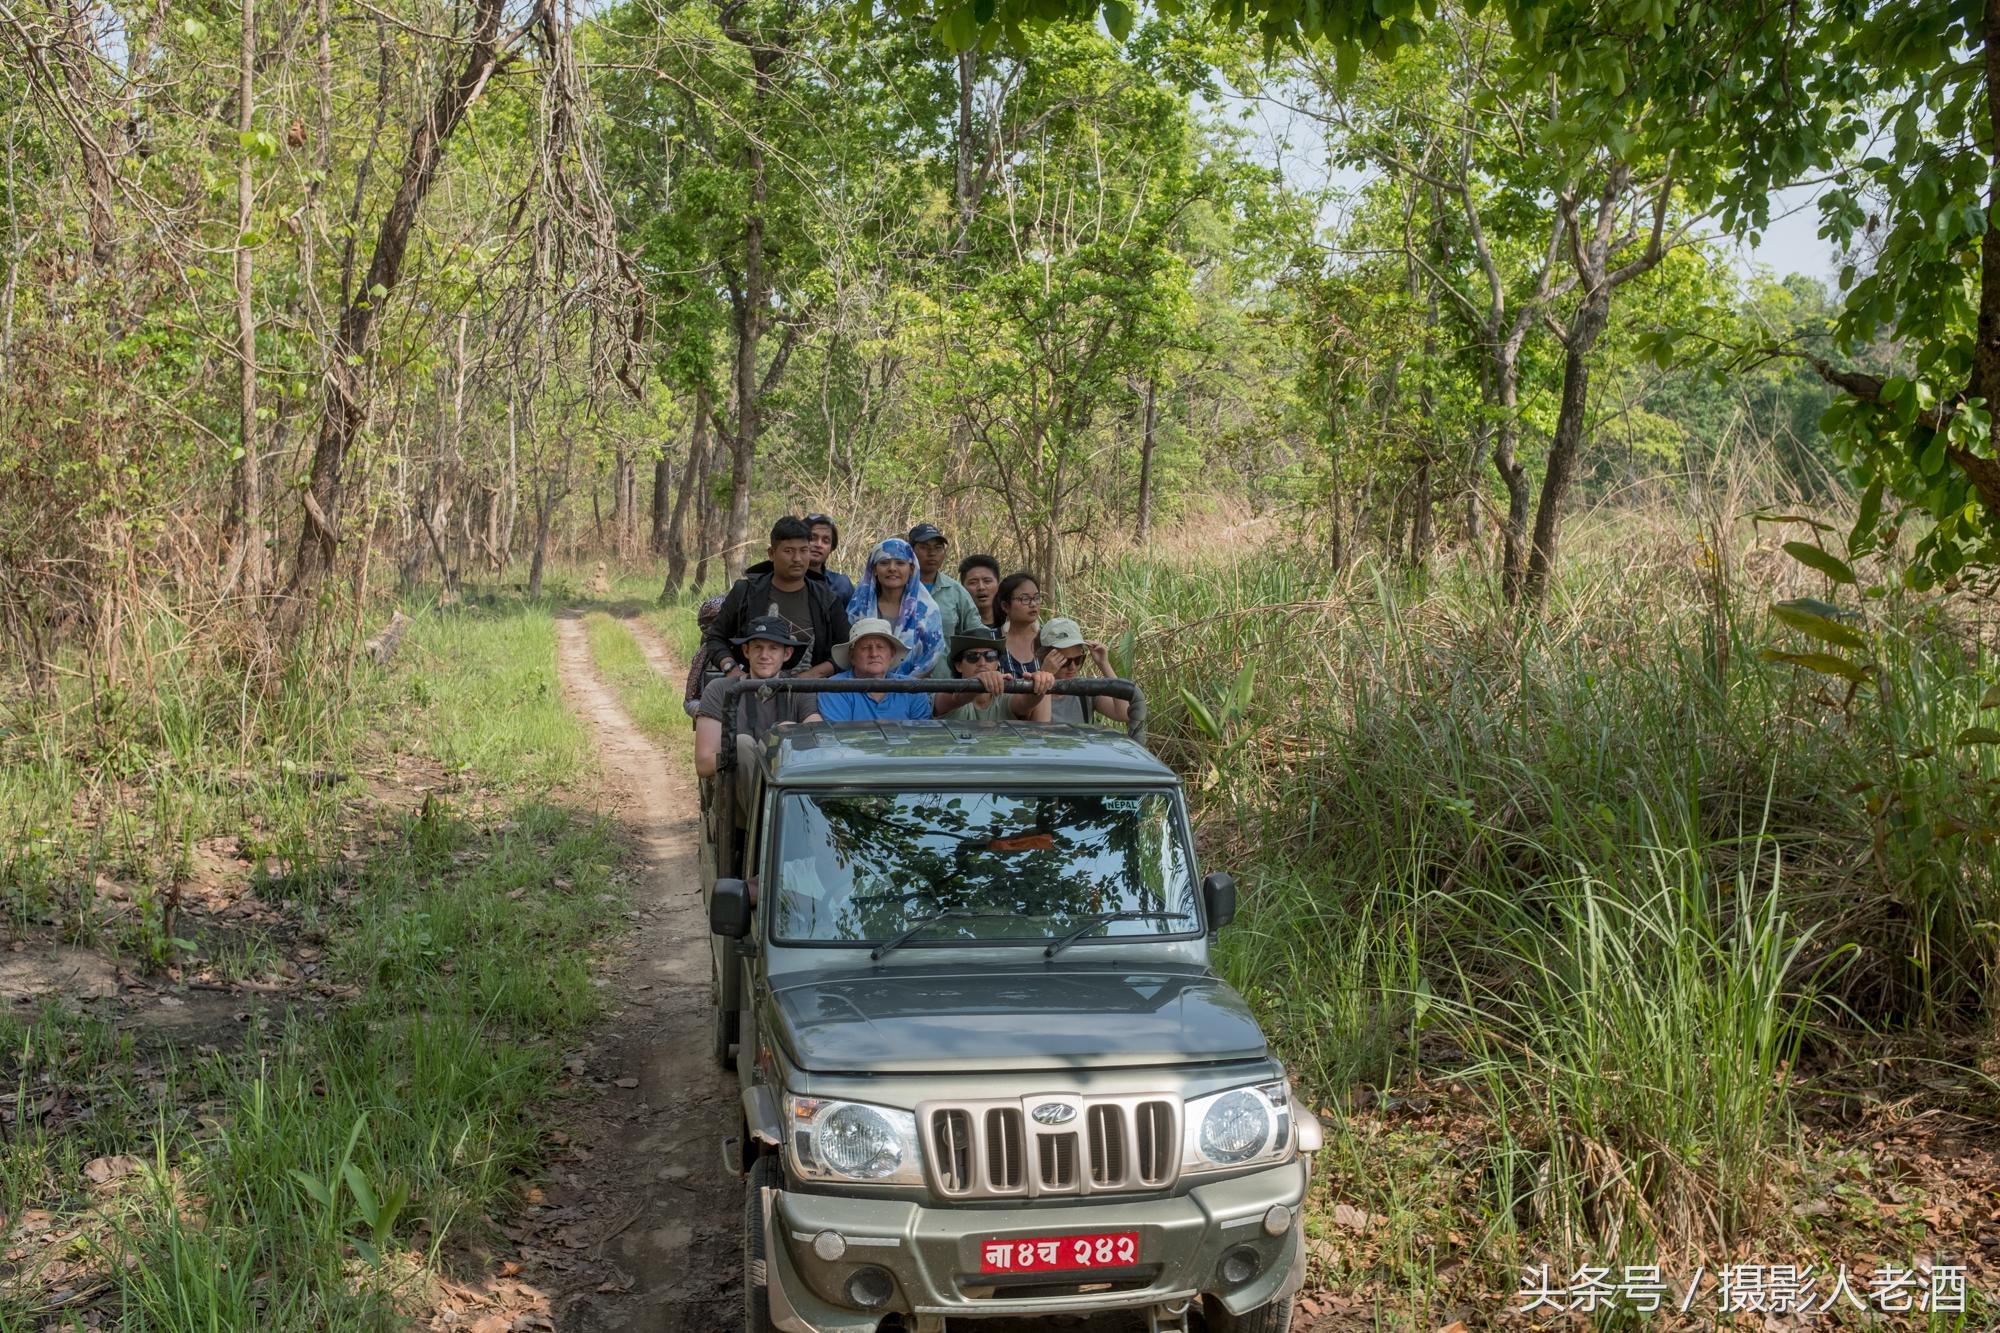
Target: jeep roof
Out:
[906,755]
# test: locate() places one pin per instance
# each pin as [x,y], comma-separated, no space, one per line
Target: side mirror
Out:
[1218,896]
[729,909]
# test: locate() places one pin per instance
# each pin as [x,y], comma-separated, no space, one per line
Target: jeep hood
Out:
[899,1021]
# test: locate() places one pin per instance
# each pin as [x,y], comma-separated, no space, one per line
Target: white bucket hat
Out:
[874,627]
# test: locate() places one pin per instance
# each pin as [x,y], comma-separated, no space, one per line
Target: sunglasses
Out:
[979,655]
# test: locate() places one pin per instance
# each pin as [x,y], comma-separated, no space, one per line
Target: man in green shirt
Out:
[957,612]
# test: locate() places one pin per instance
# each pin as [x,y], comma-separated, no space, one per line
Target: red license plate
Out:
[1050,1254]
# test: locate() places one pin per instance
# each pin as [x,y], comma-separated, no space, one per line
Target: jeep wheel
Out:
[1273,1318]
[756,1283]
[724,1025]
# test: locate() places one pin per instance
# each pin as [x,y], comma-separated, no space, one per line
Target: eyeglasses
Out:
[1034,597]
[980,655]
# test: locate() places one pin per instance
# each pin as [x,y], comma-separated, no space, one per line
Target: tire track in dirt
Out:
[655,1242]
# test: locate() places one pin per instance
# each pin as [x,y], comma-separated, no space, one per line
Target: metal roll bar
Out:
[1135,725]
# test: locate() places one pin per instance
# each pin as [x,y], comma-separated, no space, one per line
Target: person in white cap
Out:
[871,652]
[1063,651]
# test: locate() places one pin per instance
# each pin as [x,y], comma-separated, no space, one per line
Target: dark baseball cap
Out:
[925,532]
[772,629]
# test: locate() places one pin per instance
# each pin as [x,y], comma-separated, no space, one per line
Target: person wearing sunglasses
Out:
[1064,651]
[825,539]
[976,658]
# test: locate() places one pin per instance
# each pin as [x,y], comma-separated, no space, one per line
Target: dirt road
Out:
[656,1235]
[656,1216]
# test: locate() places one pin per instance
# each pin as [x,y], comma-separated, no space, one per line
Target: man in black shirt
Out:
[785,585]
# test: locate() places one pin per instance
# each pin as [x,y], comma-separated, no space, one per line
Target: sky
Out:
[1290,142]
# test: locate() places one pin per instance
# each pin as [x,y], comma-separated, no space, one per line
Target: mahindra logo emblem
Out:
[1053,1113]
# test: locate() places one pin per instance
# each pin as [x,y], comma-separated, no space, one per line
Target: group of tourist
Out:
[905,618]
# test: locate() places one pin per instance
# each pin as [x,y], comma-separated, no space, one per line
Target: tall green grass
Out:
[1604,867]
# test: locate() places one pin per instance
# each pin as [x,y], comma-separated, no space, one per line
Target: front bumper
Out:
[933,1253]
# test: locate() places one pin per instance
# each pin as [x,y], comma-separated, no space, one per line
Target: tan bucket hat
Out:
[874,627]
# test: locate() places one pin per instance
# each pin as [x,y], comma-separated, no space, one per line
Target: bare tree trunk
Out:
[1590,249]
[705,527]
[347,361]
[76,56]
[249,472]
[513,490]
[621,495]
[962,188]
[691,481]
[1514,476]
[1984,473]
[1567,442]
[546,500]
[663,503]
[1151,421]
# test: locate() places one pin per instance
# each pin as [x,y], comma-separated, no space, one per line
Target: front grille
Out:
[1006,1154]
[951,1148]
[1058,1162]
[1054,1143]
[1107,1145]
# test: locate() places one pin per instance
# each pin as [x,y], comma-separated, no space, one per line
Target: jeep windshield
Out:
[991,867]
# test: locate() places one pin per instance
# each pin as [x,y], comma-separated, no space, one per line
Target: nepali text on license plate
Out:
[1114,1249]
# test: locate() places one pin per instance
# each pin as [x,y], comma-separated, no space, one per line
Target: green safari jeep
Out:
[962,973]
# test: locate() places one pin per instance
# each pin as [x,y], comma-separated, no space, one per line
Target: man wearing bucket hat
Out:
[763,647]
[976,658]
[1063,651]
[871,651]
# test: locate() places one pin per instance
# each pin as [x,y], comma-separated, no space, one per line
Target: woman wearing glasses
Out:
[974,657]
[1018,609]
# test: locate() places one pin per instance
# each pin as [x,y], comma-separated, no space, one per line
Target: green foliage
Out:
[1577,869]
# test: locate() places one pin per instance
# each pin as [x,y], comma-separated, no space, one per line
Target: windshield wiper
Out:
[916,927]
[1105,919]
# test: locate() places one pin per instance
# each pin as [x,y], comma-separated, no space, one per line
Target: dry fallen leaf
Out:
[104,1170]
[1345,1215]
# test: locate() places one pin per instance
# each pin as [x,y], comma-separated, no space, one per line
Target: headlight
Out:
[1241,1127]
[832,1140]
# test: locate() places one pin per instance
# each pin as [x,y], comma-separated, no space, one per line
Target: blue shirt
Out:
[840,583]
[865,708]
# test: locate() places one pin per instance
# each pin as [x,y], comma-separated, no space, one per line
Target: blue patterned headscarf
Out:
[918,624]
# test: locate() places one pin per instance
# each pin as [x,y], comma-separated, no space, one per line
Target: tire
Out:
[1273,1318]
[756,1281]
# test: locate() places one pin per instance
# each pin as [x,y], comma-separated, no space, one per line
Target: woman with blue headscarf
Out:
[890,590]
